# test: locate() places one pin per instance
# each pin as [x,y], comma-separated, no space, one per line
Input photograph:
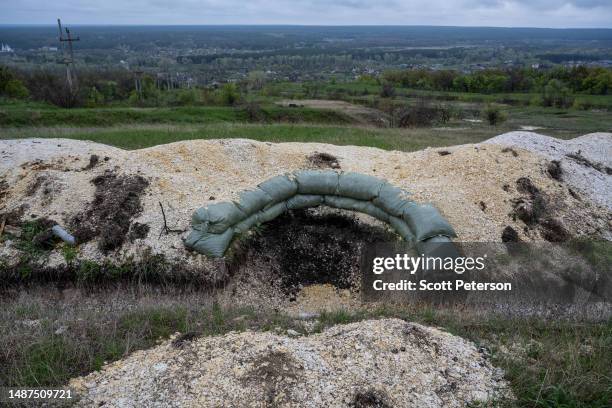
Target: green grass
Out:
[554,122]
[27,114]
[137,128]
[548,363]
[136,137]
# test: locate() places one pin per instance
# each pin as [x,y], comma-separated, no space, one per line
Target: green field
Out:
[134,128]
[135,137]
[31,114]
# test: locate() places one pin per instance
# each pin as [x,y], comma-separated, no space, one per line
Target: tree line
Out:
[95,88]
[580,79]
[107,87]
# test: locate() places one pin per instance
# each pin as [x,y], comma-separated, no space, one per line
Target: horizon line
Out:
[296,25]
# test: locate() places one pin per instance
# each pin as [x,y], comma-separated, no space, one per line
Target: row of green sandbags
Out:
[214,226]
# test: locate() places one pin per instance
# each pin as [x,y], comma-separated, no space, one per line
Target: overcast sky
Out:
[506,13]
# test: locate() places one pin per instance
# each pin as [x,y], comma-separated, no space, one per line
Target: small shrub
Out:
[536,101]
[387,91]
[70,253]
[254,113]
[229,95]
[421,115]
[582,104]
[94,98]
[187,97]
[15,89]
[556,94]
[493,115]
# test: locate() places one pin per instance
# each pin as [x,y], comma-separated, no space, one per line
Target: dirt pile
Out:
[387,362]
[474,187]
[116,201]
[584,163]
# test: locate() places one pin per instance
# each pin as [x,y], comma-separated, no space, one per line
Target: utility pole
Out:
[68,55]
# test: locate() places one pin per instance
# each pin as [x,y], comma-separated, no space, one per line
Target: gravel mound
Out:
[388,363]
[586,161]
[473,186]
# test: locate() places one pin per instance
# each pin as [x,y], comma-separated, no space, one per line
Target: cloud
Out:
[549,13]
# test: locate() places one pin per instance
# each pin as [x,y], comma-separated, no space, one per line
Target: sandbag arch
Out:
[214,226]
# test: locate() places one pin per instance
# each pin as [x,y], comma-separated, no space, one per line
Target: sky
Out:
[502,13]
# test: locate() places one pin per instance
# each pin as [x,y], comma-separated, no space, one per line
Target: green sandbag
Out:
[366,207]
[426,222]
[246,224]
[391,199]
[280,188]
[438,239]
[359,186]
[214,226]
[304,201]
[221,216]
[252,201]
[271,213]
[200,216]
[401,228]
[213,245]
[192,238]
[321,182]
[439,247]
[345,203]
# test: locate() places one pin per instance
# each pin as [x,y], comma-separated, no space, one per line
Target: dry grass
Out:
[49,335]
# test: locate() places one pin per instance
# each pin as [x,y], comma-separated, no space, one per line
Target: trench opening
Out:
[314,246]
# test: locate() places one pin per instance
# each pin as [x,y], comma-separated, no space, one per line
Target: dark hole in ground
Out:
[370,399]
[305,247]
[324,160]
[509,234]
[116,201]
[444,152]
[554,170]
